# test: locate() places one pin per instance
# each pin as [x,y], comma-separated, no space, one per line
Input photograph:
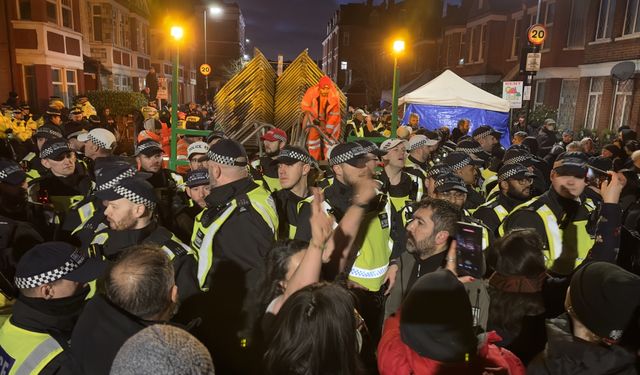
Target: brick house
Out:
[42,51]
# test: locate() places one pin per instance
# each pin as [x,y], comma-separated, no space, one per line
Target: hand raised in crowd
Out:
[321,225]
[610,190]
[364,191]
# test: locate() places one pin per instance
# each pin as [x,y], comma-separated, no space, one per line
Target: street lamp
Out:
[177,33]
[398,47]
[216,11]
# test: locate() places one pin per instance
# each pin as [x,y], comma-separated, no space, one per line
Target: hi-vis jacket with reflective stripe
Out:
[209,222]
[567,239]
[25,352]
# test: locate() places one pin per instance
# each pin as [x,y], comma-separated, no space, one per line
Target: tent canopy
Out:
[450,90]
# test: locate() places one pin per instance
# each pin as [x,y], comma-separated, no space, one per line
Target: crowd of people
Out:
[435,252]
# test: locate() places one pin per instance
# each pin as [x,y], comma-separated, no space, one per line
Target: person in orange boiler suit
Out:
[321,105]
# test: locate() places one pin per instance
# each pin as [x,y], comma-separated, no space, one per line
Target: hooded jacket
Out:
[567,354]
[395,357]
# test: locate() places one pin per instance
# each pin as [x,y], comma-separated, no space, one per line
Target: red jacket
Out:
[395,357]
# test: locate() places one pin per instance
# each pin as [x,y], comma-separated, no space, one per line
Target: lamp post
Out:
[215,10]
[176,32]
[398,47]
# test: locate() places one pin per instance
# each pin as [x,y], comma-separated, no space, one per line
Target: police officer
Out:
[98,144]
[294,166]
[52,282]
[76,114]
[87,216]
[534,165]
[197,155]
[515,182]
[420,148]
[561,216]
[400,186]
[166,183]
[130,205]
[232,237]
[467,168]
[22,224]
[489,140]
[197,189]
[31,163]
[265,169]
[65,183]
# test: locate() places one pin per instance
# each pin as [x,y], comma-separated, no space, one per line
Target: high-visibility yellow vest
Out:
[202,237]
[25,352]
[499,209]
[559,256]
[356,132]
[372,259]
[32,174]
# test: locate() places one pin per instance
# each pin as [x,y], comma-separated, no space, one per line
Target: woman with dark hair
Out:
[516,310]
[316,334]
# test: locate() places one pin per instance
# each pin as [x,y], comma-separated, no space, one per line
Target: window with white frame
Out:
[515,42]
[121,82]
[65,84]
[539,98]
[596,86]
[577,24]
[547,19]
[622,104]
[605,19]
[24,9]
[632,17]
[97,23]
[52,11]
[483,42]
[67,13]
[30,85]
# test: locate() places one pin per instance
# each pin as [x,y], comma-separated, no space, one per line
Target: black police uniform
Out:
[268,167]
[486,214]
[287,207]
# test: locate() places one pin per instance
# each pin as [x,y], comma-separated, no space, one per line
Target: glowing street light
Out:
[216,10]
[398,48]
[177,32]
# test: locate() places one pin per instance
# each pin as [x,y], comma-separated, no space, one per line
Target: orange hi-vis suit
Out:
[324,109]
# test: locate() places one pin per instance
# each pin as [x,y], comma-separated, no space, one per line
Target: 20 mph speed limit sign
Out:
[537,34]
[205,69]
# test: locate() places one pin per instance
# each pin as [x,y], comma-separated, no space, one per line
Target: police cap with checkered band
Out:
[514,171]
[110,173]
[54,148]
[48,131]
[228,152]
[350,153]
[290,155]
[11,173]
[449,181]
[134,189]
[458,160]
[197,177]
[518,156]
[52,261]
[148,147]
[99,137]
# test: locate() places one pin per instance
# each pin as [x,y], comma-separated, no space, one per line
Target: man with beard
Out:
[265,169]
[52,282]
[130,206]
[560,216]
[139,291]
[166,183]
[434,223]
[294,166]
[65,183]
[466,167]
[515,182]
[460,130]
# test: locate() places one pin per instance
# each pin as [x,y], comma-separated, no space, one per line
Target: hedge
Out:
[121,103]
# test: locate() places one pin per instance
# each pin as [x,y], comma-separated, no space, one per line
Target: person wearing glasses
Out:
[64,183]
[514,181]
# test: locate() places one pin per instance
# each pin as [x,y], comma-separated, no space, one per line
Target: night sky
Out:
[288,26]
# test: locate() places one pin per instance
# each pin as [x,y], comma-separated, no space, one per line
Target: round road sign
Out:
[537,34]
[205,69]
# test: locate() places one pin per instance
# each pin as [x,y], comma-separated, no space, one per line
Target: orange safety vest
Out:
[326,111]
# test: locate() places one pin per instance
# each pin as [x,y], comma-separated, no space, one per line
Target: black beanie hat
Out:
[604,298]
[436,320]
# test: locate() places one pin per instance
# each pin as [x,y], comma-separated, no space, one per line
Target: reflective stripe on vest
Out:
[202,238]
[487,181]
[25,352]
[501,212]
[372,260]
